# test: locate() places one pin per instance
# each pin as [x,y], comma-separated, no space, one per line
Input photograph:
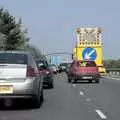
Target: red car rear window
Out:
[86,64]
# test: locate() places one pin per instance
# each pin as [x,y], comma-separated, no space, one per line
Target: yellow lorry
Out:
[89,46]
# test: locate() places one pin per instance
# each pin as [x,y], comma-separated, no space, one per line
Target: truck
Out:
[89,46]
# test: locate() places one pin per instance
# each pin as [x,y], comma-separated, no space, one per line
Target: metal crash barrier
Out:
[113,71]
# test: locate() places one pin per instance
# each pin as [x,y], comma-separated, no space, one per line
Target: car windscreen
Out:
[13,58]
[87,64]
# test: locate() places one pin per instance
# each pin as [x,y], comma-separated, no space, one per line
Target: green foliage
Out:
[34,51]
[14,36]
[112,63]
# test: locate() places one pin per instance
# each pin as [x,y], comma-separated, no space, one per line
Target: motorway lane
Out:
[104,96]
[61,103]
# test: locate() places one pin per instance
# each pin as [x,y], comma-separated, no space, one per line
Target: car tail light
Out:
[30,71]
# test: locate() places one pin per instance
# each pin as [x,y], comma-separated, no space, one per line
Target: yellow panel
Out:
[78,53]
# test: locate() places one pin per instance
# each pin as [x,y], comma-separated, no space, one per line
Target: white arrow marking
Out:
[87,55]
[81,93]
[103,117]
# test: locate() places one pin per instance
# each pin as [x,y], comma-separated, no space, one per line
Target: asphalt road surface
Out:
[81,101]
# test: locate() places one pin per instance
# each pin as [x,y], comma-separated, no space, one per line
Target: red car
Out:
[83,70]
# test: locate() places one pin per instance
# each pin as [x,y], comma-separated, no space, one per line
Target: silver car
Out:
[19,77]
[53,68]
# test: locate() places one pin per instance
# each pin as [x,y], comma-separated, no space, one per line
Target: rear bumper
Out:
[86,76]
[27,89]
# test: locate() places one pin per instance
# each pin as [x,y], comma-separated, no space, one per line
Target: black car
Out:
[46,72]
[63,67]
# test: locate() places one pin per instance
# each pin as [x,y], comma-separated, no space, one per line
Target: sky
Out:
[51,24]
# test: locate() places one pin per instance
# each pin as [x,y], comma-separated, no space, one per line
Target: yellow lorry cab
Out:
[102,70]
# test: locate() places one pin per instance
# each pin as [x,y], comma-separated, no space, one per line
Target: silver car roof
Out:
[18,52]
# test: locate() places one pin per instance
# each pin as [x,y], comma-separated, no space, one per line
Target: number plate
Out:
[6,89]
[89,77]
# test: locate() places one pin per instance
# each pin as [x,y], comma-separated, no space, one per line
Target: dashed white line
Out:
[112,78]
[88,99]
[73,85]
[81,93]
[100,113]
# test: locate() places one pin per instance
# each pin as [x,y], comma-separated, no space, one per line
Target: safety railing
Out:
[113,72]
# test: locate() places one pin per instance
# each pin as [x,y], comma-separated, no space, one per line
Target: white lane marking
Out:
[81,93]
[112,78]
[88,99]
[73,85]
[100,113]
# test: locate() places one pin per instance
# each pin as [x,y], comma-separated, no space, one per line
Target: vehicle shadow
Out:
[47,88]
[18,105]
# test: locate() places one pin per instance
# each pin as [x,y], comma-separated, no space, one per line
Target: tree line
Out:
[111,63]
[13,36]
